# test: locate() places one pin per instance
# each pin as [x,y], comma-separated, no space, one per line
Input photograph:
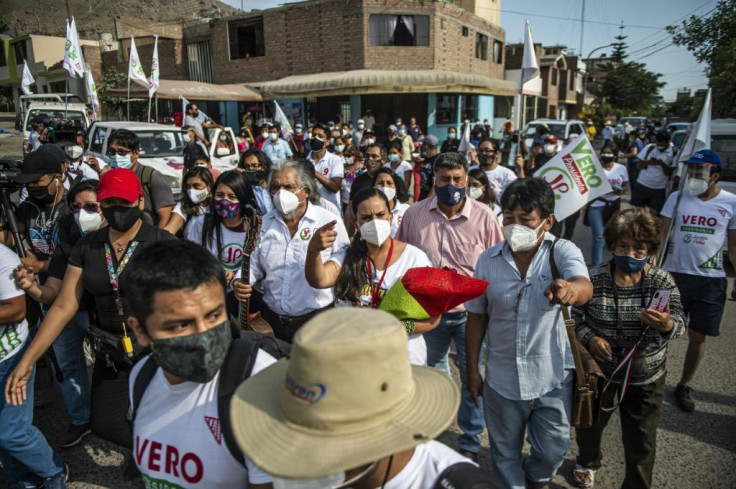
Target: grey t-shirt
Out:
[160,193]
[196,123]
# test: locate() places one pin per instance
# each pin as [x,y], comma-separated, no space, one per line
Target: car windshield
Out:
[634,121]
[725,146]
[60,119]
[158,144]
[556,129]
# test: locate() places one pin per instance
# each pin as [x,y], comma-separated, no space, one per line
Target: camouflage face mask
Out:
[197,357]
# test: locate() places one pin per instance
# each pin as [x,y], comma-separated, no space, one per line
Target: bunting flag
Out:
[26,80]
[73,59]
[153,84]
[135,69]
[92,91]
[280,117]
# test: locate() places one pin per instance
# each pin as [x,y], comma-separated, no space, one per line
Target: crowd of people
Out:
[305,238]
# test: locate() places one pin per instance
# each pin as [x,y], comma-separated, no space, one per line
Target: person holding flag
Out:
[276,148]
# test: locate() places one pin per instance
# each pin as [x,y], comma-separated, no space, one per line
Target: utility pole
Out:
[582,30]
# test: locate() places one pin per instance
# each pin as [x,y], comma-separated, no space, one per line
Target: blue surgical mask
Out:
[449,194]
[393,158]
[186,138]
[629,264]
[118,161]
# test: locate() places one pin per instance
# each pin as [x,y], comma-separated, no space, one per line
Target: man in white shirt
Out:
[276,148]
[277,265]
[176,295]
[358,133]
[329,168]
[199,122]
[655,166]
[499,177]
[348,410]
[704,220]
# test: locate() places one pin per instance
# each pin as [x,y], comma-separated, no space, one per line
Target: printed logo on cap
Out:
[310,394]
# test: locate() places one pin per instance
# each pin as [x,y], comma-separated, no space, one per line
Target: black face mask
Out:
[41,194]
[254,177]
[121,218]
[486,160]
[316,144]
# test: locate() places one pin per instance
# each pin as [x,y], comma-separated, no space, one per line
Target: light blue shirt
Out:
[263,197]
[276,150]
[528,349]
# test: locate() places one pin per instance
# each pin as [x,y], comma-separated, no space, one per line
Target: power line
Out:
[576,19]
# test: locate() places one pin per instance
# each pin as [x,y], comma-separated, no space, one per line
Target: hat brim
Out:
[285,450]
[28,177]
[128,196]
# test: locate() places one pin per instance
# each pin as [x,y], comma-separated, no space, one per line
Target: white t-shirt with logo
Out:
[617,176]
[653,176]
[412,257]
[330,166]
[232,242]
[12,336]
[177,437]
[499,179]
[397,215]
[699,233]
[425,466]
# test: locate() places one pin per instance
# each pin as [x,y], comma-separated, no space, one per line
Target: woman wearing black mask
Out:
[96,265]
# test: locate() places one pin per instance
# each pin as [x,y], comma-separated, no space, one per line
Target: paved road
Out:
[695,450]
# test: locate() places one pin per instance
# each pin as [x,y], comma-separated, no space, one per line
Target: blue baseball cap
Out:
[704,157]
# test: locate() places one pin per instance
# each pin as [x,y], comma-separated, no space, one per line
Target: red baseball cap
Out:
[551,138]
[121,183]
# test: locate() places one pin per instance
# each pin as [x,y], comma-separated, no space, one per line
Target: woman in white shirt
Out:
[479,188]
[196,196]
[373,263]
[402,168]
[392,186]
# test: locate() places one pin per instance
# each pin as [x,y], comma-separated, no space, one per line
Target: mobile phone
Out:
[659,300]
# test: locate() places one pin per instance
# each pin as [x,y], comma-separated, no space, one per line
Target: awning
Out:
[363,82]
[190,90]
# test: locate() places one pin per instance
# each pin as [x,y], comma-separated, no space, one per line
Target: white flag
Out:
[135,69]
[92,91]
[73,59]
[699,137]
[529,66]
[576,176]
[281,119]
[465,145]
[153,84]
[26,80]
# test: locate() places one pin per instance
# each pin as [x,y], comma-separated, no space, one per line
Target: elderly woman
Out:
[621,316]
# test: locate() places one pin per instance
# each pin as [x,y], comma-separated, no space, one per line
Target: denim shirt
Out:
[263,198]
[528,349]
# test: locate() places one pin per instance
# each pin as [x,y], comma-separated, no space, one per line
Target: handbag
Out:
[585,406]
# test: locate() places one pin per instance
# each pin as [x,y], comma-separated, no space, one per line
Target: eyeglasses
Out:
[119,152]
[487,151]
[373,156]
[87,206]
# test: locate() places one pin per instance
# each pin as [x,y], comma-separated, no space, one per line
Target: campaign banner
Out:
[576,176]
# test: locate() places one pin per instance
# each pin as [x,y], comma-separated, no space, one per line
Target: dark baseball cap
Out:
[38,164]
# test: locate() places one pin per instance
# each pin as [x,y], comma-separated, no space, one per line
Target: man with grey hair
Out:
[277,264]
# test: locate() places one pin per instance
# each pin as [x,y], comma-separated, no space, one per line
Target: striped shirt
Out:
[600,317]
[455,242]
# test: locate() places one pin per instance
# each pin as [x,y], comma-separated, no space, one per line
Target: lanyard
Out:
[376,291]
[115,274]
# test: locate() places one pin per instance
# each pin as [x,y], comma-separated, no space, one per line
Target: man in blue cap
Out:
[704,219]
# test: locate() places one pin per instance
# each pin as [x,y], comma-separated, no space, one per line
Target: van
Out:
[562,129]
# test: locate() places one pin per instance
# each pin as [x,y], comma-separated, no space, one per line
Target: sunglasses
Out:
[87,206]
[119,152]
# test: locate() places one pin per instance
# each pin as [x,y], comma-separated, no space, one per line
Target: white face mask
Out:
[88,221]
[198,196]
[376,231]
[549,149]
[475,193]
[286,202]
[389,192]
[520,237]
[369,141]
[273,136]
[697,186]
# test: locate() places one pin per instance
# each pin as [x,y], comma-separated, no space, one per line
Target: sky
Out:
[644,21]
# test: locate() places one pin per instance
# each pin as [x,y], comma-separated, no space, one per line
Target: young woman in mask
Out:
[196,191]
[353,169]
[373,263]
[224,146]
[394,189]
[479,188]
[98,262]
[599,211]
[222,230]
[395,162]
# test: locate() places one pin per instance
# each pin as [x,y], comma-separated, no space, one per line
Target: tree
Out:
[630,88]
[712,40]
[111,78]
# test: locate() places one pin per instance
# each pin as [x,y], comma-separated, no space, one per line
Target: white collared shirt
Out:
[277,264]
[330,166]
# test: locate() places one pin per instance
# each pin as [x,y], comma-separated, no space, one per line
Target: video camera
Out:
[9,170]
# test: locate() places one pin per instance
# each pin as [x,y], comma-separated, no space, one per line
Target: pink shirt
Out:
[453,243]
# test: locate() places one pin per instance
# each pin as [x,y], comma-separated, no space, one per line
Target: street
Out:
[695,450]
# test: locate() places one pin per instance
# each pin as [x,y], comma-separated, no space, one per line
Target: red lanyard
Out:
[376,291]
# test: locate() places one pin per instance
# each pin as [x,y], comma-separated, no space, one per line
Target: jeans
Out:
[24,452]
[75,389]
[595,217]
[469,418]
[547,424]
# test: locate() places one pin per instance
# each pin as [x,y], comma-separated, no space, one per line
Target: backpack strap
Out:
[146,176]
[237,367]
[145,376]
[464,475]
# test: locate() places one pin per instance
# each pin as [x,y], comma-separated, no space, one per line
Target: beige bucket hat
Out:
[347,396]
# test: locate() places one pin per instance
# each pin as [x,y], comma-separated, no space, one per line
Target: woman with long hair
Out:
[373,263]
[479,188]
[196,192]
[392,186]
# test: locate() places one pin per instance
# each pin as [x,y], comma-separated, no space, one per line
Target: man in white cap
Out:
[358,133]
[348,408]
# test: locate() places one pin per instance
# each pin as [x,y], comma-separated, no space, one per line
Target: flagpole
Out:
[149,109]
[128,97]
[66,97]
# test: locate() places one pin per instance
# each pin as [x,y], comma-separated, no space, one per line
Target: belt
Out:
[292,320]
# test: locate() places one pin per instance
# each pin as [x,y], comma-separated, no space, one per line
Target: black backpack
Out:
[237,367]
[464,475]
